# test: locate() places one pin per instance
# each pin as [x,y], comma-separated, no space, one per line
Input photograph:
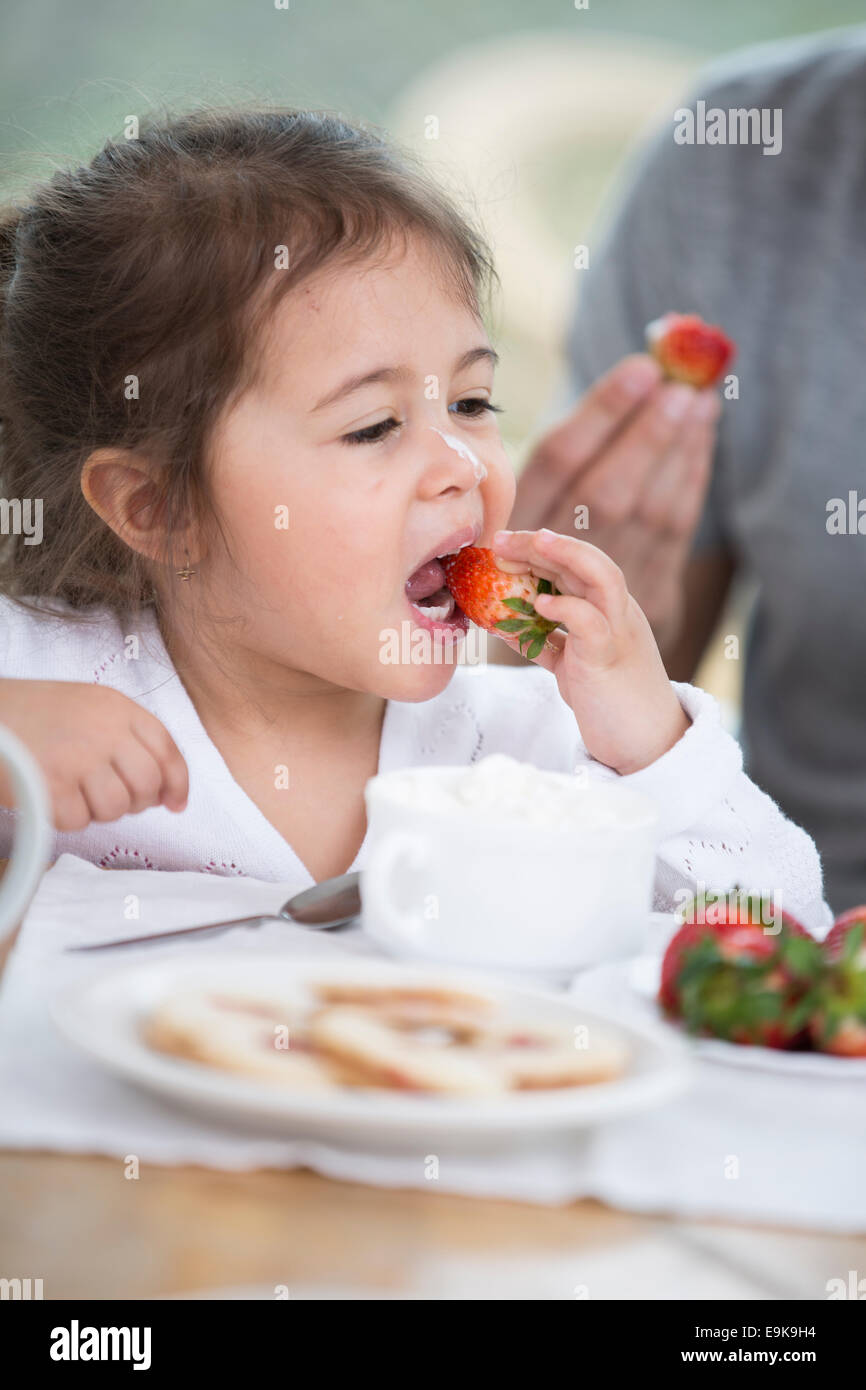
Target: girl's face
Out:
[366,450]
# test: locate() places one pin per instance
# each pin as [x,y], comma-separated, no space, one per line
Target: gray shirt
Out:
[772,247]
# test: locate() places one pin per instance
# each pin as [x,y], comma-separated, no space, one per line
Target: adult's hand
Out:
[636,452]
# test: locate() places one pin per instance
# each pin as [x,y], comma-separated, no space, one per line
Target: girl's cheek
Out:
[500,487]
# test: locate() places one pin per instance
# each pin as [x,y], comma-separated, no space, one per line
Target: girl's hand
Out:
[607,664]
[101,754]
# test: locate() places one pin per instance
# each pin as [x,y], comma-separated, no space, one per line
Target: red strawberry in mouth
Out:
[433,605]
[496,601]
[688,349]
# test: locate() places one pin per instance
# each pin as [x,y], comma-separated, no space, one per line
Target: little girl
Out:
[247,388]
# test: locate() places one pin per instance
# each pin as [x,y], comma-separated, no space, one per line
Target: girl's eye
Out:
[472,408]
[475,406]
[372,433]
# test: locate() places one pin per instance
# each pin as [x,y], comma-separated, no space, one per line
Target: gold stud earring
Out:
[186,572]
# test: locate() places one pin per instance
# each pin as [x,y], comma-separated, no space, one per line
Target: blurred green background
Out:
[535,105]
[69,66]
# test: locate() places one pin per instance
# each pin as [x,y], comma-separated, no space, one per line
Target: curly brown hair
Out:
[154,265]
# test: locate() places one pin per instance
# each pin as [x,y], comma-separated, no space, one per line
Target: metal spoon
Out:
[332,903]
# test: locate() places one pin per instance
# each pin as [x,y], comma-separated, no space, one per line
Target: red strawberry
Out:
[497,601]
[736,929]
[838,934]
[839,1021]
[724,975]
[688,349]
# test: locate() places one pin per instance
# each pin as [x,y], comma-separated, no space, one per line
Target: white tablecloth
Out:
[739,1145]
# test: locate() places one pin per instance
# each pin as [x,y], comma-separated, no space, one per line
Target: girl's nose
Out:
[452,464]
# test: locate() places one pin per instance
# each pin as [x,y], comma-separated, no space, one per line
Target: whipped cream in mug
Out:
[501,788]
[502,864]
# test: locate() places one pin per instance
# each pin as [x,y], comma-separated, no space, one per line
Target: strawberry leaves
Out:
[497,600]
[530,628]
[731,978]
[838,1023]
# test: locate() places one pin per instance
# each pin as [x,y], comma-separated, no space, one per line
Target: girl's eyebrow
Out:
[354,383]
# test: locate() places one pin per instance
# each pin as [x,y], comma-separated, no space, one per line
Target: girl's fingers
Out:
[175,774]
[535,570]
[70,811]
[512,566]
[550,653]
[576,566]
[581,618]
[140,773]
[106,796]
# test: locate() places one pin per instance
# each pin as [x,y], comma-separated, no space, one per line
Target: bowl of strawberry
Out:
[742,972]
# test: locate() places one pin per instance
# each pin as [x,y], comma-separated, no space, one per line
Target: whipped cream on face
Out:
[501,788]
[462,448]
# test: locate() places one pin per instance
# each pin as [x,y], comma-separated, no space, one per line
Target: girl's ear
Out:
[122,489]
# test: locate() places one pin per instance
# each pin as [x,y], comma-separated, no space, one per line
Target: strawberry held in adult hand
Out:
[688,349]
[498,601]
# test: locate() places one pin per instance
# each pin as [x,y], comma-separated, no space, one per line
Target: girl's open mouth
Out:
[432,603]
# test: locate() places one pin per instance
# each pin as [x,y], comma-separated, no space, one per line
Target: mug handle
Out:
[387,921]
[34,831]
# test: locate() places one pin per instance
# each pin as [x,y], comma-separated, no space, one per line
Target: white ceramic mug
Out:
[34,832]
[449,886]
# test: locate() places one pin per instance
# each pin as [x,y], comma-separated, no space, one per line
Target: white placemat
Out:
[739,1146]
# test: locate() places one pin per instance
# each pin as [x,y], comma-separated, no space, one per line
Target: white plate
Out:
[103,1018]
[644,975]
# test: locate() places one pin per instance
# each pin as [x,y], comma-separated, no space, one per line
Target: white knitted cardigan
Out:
[717,829]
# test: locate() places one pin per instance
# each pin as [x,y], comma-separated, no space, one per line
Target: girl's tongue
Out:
[426,581]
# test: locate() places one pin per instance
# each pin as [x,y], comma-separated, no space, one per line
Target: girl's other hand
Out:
[102,755]
[607,664]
